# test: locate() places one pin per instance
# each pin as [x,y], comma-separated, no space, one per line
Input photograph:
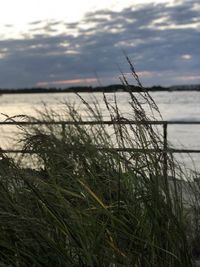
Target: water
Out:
[172,105]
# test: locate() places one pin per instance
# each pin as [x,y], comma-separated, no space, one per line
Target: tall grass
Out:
[88,204]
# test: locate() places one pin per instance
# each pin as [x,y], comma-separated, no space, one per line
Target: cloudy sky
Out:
[63,43]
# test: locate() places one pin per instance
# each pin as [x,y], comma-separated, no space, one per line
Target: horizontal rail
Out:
[129,150]
[137,150]
[106,122]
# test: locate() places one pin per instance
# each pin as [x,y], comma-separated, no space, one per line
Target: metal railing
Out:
[63,124]
[164,150]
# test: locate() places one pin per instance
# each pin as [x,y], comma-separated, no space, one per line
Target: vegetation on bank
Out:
[107,89]
[86,204]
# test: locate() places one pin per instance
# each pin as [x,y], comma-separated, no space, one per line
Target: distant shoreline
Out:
[105,89]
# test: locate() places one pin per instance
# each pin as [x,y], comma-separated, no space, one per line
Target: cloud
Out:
[161,40]
[36,22]
[85,81]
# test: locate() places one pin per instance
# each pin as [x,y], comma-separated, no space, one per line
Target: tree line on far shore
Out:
[107,89]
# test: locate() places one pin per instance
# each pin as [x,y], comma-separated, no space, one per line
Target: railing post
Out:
[165,150]
[119,187]
[63,132]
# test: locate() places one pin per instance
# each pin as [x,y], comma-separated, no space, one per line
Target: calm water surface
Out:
[172,105]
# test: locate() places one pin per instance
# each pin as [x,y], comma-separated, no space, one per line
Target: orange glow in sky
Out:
[67,82]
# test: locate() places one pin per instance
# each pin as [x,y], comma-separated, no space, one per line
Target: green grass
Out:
[88,205]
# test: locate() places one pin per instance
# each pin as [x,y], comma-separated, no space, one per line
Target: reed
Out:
[87,204]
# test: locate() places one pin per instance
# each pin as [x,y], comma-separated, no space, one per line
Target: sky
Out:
[62,43]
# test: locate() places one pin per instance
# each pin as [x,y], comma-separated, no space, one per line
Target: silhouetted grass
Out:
[89,205]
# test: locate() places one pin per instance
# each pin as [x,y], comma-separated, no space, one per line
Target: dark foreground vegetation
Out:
[85,204]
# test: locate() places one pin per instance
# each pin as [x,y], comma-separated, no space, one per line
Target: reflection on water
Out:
[172,105]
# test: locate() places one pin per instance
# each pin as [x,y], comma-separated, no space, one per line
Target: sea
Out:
[173,106]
